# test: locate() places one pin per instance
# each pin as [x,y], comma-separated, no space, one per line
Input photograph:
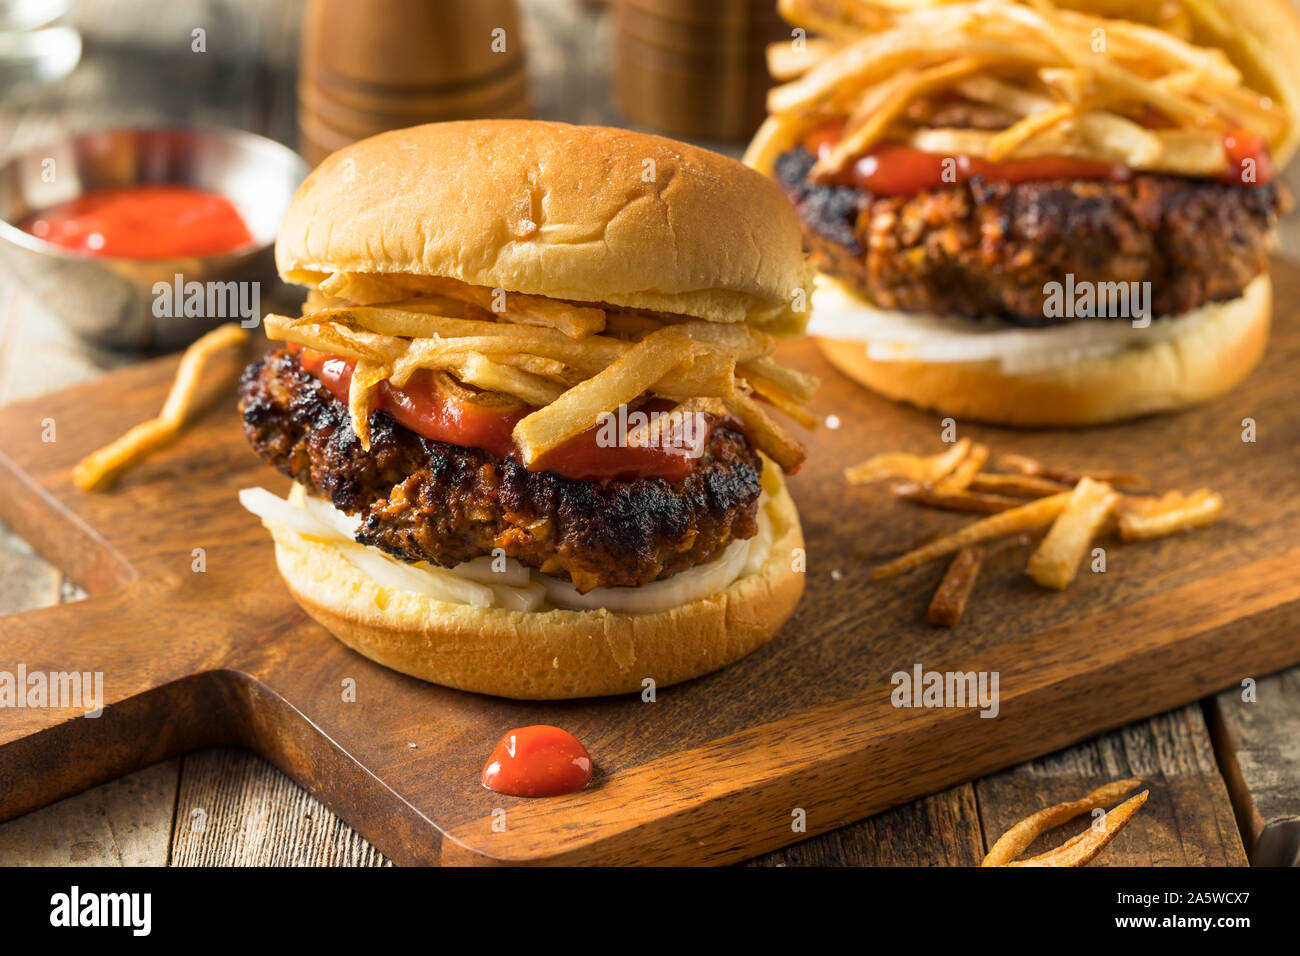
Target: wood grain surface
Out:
[136,70]
[806,722]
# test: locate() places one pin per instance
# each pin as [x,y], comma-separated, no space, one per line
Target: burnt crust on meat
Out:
[424,500]
[984,248]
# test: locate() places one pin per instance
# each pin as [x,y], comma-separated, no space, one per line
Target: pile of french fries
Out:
[1027,78]
[1075,506]
[564,364]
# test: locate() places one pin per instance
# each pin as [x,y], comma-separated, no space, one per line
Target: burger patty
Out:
[984,248]
[424,500]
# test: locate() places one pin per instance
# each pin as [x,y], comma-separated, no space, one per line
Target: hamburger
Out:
[1038,213]
[527,406]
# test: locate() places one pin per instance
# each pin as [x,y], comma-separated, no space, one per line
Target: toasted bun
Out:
[547,655]
[1207,360]
[571,212]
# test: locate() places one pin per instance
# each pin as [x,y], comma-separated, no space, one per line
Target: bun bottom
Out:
[555,654]
[1206,361]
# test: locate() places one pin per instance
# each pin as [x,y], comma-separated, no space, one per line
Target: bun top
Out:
[585,213]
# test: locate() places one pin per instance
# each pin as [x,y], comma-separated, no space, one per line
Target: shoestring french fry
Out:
[1015,841]
[100,468]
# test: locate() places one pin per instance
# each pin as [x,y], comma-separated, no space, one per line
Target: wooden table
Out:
[1224,774]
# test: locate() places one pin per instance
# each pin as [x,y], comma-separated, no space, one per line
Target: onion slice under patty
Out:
[501,582]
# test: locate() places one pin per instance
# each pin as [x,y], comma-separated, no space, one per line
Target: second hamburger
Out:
[1038,214]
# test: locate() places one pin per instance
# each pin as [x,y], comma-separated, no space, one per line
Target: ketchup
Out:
[143,222]
[538,761]
[1242,145]
[895,169]
[421,407]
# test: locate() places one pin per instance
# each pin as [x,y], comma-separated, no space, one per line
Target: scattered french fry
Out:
[899,464]
[99,469]
[1028,466]
[1078,850]
[959,478]
[950,598]
[1024,486]
[1056,560]
[1141,519]
[969,501]
[1035,514]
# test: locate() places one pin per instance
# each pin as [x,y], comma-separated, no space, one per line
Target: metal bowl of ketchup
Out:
[144,239]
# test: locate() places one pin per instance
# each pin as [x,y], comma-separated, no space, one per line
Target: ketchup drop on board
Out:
[538,761]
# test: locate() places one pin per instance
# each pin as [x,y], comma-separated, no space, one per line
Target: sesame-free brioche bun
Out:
[1212,349]
[548,654]
[584,213]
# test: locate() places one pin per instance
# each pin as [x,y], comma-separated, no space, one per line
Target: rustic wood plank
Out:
[1258,744]
[126,822]
[235,809]
[1187,821]
[939,830]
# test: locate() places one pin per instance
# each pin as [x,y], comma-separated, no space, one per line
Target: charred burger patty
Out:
[424,500]
[985,248]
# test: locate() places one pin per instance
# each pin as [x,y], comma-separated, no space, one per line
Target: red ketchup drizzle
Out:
[538,761]
[895,169]
[422,408]
[143,222]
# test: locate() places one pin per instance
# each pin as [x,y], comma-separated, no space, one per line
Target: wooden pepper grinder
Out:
[373,65]
[692,69]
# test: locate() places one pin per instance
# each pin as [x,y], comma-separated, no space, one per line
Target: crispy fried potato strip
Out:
[99,469]
[1056,560]
[1141,519]
[1073,83]
[579,408]
[1080,849]
[959,479]
[898,464]
[1035,514]
[958,581]
[568,363]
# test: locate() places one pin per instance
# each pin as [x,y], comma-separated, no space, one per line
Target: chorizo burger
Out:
[1038,213]
[526,409]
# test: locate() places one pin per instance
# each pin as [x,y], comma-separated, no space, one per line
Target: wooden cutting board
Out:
[714,770]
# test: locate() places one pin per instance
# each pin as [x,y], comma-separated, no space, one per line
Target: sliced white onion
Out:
[530,597]
[391,573]
[513,573]
[840,313]
[761,544]
[322,510]
[673,591]
[273,509]
[516,588]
